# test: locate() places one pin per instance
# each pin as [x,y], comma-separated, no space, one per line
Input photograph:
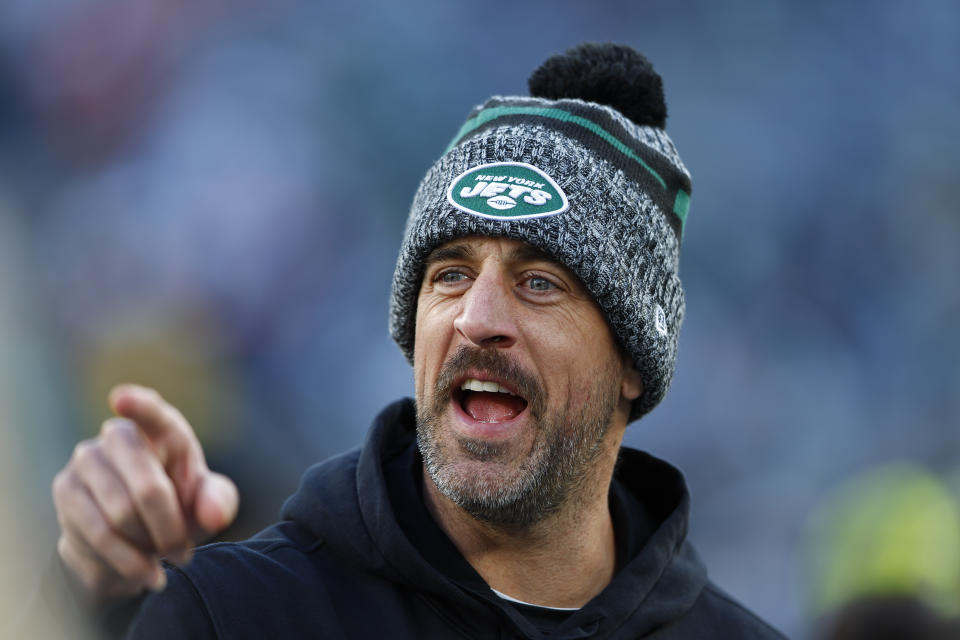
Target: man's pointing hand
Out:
[139,491]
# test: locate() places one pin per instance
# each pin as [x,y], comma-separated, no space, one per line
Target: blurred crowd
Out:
[208,197]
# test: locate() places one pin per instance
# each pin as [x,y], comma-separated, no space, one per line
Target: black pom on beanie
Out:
[608,74]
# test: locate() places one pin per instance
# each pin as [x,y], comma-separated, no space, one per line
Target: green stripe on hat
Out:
[493,113]
[680,207]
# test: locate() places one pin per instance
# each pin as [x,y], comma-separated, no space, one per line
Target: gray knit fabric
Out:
[615,235]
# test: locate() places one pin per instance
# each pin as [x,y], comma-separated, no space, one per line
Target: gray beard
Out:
[566,448]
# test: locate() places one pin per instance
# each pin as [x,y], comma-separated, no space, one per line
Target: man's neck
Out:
[563,560]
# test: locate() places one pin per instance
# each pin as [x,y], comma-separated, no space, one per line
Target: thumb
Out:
[216,503]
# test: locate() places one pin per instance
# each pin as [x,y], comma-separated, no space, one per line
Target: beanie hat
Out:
[582,170]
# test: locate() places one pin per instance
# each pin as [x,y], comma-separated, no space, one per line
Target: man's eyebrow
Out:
[453,252]
[464,251]
[527,253]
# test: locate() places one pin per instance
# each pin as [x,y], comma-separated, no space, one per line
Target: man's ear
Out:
[631,387]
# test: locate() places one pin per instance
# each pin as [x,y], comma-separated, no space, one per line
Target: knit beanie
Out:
[582,170]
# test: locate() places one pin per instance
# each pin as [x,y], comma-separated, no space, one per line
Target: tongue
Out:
[484,406]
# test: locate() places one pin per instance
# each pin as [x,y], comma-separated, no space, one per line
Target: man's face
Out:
[518,379]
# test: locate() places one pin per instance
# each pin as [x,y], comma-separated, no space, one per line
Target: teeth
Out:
[472,384]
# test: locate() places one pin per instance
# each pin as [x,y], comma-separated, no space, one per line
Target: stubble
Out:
[548,477]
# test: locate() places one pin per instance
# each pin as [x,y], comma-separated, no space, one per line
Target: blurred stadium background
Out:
[208,196]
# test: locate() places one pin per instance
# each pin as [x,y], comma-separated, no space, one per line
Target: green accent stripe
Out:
[680,207]
[492,113]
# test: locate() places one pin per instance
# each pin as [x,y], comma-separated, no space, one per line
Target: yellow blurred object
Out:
[890,531]
[175,351]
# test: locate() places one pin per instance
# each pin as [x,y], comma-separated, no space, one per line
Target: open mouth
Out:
[488,401]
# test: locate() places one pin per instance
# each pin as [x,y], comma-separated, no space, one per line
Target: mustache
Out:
[526,385]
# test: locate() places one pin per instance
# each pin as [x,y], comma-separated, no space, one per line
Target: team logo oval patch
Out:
[507,190]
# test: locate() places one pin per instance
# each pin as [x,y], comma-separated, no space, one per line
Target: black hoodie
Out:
[342,564]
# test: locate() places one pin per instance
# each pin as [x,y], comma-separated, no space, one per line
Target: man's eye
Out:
[451,277]
[540,284]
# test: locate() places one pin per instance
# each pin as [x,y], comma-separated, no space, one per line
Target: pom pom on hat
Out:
[608,74]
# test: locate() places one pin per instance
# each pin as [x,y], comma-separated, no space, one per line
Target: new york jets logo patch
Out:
[507,190]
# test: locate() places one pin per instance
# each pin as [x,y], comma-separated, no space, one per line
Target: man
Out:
[537,297]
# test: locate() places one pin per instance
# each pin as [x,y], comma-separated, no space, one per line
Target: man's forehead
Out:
[471,248]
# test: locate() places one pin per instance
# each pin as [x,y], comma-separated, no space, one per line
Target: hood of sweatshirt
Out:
[345,502]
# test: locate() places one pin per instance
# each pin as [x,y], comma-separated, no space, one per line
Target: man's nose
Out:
[487,318]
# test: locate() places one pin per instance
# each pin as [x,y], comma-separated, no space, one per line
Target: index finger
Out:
[163,425]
